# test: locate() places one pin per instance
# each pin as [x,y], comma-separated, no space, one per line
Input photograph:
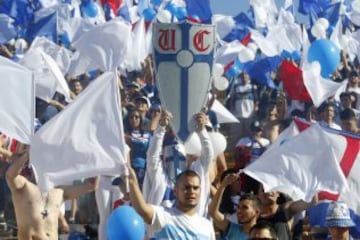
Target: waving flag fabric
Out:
[105,47]
[305,86]
[199,8]
[46,27]
[346,148]
[7,29]
[296,165]
[47,75]
[86,139]
[17,107]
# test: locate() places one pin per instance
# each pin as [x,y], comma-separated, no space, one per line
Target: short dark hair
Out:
[253,198]
[186,173]
[347,114]
[264,225]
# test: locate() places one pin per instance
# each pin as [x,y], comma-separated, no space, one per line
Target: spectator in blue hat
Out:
[338,221]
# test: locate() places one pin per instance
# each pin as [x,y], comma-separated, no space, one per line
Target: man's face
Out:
[187,192]
[141,105]
[339,233]
[246,212]
[267,198]
[349,125]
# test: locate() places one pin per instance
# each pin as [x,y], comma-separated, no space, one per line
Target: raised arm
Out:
[75,191]
[137,200]
[219,218]
[295,207]
[207,152]
[18,159]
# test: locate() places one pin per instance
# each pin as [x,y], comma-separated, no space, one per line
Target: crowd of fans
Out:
[263,113]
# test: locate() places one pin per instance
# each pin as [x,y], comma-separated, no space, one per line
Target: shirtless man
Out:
[37,212]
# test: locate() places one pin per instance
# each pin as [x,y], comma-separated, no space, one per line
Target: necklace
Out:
[45,212]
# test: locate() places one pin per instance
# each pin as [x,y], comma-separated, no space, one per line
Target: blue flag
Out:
[244,20]
[200,9]
[45,27]
[260,71]
[305,6]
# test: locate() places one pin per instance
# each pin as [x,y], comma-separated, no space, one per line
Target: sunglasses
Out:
[135,116]
[261,238]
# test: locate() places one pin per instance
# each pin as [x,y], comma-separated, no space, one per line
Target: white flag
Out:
[106,47]
[223,115]
[296,167]
[60,55]
[86,139]
[48,77]
[17,107]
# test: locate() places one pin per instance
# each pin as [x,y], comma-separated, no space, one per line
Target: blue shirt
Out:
[235,232]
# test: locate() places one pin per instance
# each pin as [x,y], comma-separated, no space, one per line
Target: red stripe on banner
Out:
[347,161]
[228,66]
[245,41]
[301,124]
[350,155]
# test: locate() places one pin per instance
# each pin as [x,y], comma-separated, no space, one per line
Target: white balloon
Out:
[323,22]
[218,70]
[164,16]
[246,55]
[221,83]
[218,141]
[253,47]
[318,31]
[193,144]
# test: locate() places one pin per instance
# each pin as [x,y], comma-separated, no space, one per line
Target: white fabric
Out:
[86,139]
[48,3]
[17,101]
[228,52]
[346,148]
[106,46]
[61,55]
[319,88]
[224,24]
[139,51]
[268,48]
[223,115]
[106,194]
[48,77]
[75,27]
[170,223]
[265,12]
[296,166]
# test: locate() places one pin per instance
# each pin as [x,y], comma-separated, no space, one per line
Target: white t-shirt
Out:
[170,223]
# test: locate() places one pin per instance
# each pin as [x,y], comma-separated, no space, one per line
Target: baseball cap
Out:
[338,215]
[143,99]
[256,126]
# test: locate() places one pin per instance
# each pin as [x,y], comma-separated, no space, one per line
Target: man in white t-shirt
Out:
[191,191]
[180,221]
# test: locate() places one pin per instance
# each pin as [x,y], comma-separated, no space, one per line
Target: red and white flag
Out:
[295,164]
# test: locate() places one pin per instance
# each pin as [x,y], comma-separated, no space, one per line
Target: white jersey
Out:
[156,180]
[170,223]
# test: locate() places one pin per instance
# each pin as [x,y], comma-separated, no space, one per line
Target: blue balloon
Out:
[171,8]
[156,2]
[181,13]
[233,71]
[125,223]
[149,14]
[90,9]
[327,54]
